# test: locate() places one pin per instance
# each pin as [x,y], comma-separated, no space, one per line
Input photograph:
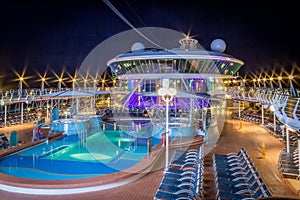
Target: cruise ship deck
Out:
[187,97]
[233,137]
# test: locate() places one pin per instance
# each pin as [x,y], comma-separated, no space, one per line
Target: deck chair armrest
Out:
[186,184]
[240,178]
[184,191]
[236,168]
[192,173]
[187,178]
[245,192]
[188,163]
[242,184]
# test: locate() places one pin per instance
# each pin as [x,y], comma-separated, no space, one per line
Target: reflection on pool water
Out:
[104,152]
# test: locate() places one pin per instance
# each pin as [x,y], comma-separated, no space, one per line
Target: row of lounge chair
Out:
[288,163]
[4,143]
[270,128]
[237,178]
[249,116]
[293,138]
[15,118]
[183,179]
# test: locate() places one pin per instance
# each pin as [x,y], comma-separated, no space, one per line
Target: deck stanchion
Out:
[287,140]
[262,114]
[5,115]
[22,118]
[298,157]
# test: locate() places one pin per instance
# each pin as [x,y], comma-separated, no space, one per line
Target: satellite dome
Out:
[137,46]
[218,45]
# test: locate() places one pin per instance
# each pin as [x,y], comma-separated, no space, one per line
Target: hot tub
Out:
[69,126]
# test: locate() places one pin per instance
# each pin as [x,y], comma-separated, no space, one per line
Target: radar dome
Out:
[218,45]
[137,46]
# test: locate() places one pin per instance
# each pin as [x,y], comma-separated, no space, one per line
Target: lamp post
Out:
[271,83]
[85,81]
[272,108]
[95,84]
[254,80]
[103,82]
[292,90]
[73,83]
[21,79]
[279,82]
[59,84]
[264,79]
[167,95]
[258,81]
[43,85]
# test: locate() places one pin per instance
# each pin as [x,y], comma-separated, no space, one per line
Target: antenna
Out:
[128,23]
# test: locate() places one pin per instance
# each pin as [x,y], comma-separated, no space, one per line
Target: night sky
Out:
[59,34]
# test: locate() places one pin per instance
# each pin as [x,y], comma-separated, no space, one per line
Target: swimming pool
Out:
[71,157]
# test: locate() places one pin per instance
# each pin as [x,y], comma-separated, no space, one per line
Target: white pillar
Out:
[203,119]
[239,110]
[274,123]
[262,114]
[298,156]
[191,109]
[51,108]
[47,109]
[22,105]
[5,115]
[77,106]
[167,133]
[287,140]
[115,126]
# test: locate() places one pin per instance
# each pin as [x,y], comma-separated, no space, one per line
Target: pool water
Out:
[69,158]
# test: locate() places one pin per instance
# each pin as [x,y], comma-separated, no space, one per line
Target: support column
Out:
[191,110]
[287,140]
[51,110]
[203,119]
[77,106]
[274,123]
[298,156]
[282,135]
[262,114]
[167,134]
[5,115]
[115,126]
[47,109]
[22,105]
[239,110]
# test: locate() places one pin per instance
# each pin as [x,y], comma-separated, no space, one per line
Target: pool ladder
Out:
[82,135]
[133,145]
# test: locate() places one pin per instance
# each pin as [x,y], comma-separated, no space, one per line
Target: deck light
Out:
[167,95]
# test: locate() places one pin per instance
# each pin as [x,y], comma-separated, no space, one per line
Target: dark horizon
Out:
[59,34]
